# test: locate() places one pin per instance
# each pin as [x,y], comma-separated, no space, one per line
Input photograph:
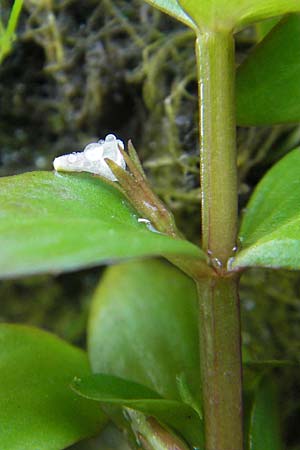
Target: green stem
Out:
[220,357]
[219,316]
[215,58]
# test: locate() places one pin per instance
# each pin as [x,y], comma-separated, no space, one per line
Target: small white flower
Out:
[92,158]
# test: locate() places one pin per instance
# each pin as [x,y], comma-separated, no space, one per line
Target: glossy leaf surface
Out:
[270,231]
[268,88]
[227,15]
[109,388]
[114,390]
[38,410]
[156,339]
[143,327]
[264,421]
[51,223]
[172,8]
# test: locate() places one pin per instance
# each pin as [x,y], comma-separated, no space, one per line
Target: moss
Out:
[82,69]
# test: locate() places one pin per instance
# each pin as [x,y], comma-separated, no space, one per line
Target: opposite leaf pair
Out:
[149,364]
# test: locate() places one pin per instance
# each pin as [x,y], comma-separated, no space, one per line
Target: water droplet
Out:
[126,415]
[110,138]
[93,151]
[217,263]
[72,157]
[229,263]
[149,206]
[148,225]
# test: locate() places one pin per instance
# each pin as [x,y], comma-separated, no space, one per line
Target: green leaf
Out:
[109,389]
[172,8]
[263,421]
[51,222]
[224,15]
[264,27]
[270,231]
[38,410]
[112,389]
[7,35]
[158,339]
[267,84]
[143,327]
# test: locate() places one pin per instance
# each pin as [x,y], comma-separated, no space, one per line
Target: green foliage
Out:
[224,15]
[157,343]
[143,324]
[155,322]
[113,390]
[79,220]
[264,27]
[7,34]
[38,410]
[268,89]
[264,419]
[270,232]
[221,15]
[172,8]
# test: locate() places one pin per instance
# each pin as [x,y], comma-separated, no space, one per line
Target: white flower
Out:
[92,158]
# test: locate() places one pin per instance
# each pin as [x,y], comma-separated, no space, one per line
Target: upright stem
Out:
[215,59]
[219,317]
[220,363]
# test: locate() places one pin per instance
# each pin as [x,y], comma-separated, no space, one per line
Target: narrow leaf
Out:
[109,388]
[38,410]
[53,223]
[268,88]
[270,231]
[264,421]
